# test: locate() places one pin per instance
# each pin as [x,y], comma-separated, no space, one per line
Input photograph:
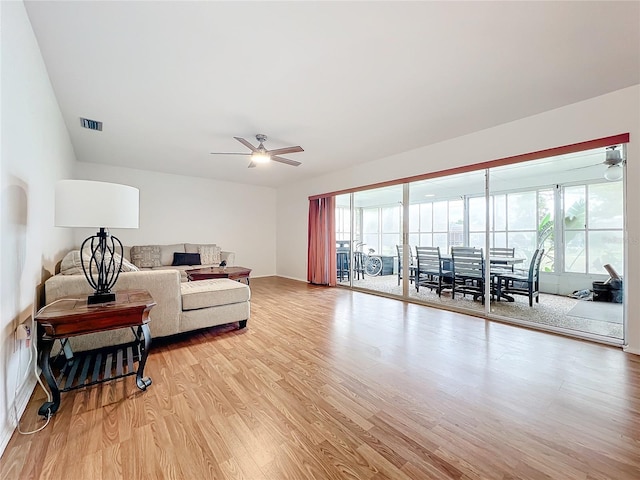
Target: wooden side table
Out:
[69,317]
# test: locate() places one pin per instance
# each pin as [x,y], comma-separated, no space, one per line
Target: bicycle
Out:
[371,264]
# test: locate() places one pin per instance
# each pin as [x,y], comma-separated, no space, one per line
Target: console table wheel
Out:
[143,383]
[48,408]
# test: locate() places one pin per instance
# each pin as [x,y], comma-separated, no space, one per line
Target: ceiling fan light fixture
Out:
[613,173]
[260,157]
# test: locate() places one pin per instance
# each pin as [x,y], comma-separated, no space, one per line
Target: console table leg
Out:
[48,408]
[144,332]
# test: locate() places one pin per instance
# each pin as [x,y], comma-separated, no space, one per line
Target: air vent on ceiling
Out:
[91,124]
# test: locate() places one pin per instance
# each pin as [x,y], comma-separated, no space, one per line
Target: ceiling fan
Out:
[260,154]
[613,159]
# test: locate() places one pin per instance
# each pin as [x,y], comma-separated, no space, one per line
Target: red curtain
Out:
[321,261]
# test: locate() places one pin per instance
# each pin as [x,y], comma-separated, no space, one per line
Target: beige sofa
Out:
[180,306]
[165,255]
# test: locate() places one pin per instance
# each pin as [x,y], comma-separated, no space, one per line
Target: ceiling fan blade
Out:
[252,164]
[282,151]
[246,144]
[228,153]
[285,160]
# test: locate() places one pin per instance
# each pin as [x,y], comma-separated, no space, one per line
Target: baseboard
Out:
[21,401]
[628,349]
[292,278]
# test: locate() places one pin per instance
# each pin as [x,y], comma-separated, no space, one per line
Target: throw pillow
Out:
[127,266]
[146,256]
[186,259]
[72,265]
[209,254]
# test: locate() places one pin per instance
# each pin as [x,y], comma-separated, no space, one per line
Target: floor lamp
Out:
[85,203]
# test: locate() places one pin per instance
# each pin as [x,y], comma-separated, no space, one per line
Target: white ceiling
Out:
[348,81]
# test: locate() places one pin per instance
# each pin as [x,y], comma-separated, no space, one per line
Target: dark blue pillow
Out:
[186,258]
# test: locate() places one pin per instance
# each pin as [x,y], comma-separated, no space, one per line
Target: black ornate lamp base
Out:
[101,298]
[102,268]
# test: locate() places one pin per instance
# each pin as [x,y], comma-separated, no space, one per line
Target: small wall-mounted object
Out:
[91,124]
[23,332]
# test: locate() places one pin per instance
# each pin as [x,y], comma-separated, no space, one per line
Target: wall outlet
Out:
[23,332]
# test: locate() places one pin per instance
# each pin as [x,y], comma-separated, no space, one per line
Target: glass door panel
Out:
[343,239]
[561,206]
[375,264]
[445,212]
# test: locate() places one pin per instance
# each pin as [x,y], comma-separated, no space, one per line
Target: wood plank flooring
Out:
[326,383]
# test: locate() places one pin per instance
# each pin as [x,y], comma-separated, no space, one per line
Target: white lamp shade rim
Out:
[87,203]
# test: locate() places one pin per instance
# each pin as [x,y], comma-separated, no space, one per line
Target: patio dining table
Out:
[494,260]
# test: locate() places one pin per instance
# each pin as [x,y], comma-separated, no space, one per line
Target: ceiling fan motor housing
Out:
[613,156]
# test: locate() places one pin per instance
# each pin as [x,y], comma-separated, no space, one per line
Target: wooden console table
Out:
[69,317]
[232,273]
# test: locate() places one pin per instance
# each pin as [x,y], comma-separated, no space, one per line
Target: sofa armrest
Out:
[230,257]
[163,285]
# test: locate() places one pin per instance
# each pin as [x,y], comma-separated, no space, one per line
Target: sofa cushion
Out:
[210,293]
[167,251]
[186,259]
[209,254]
[193,247]
[146,256]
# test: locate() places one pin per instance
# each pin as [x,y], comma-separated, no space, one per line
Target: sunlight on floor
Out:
[552,310]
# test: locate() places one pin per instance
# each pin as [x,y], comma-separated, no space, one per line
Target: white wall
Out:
[179,209]
[599,117]
[36,151]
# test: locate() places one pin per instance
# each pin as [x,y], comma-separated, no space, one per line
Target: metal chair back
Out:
[468,271]
[468,262]
[400,250]
[502,252]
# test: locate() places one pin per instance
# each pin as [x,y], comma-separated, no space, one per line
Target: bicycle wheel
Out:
[373,266]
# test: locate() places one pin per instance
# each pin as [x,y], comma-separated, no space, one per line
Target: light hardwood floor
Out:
[326,383]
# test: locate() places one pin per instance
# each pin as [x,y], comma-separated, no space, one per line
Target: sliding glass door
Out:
[539,243]
[368,235]
[565,222]
[445,213]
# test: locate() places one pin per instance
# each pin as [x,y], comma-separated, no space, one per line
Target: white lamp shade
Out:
[85,203]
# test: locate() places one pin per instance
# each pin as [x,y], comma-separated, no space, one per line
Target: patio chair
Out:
[528,285]
[429,272]
[400,250]
[358,265]
[342,262]
[342,265]
[502,252]
[468,272]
